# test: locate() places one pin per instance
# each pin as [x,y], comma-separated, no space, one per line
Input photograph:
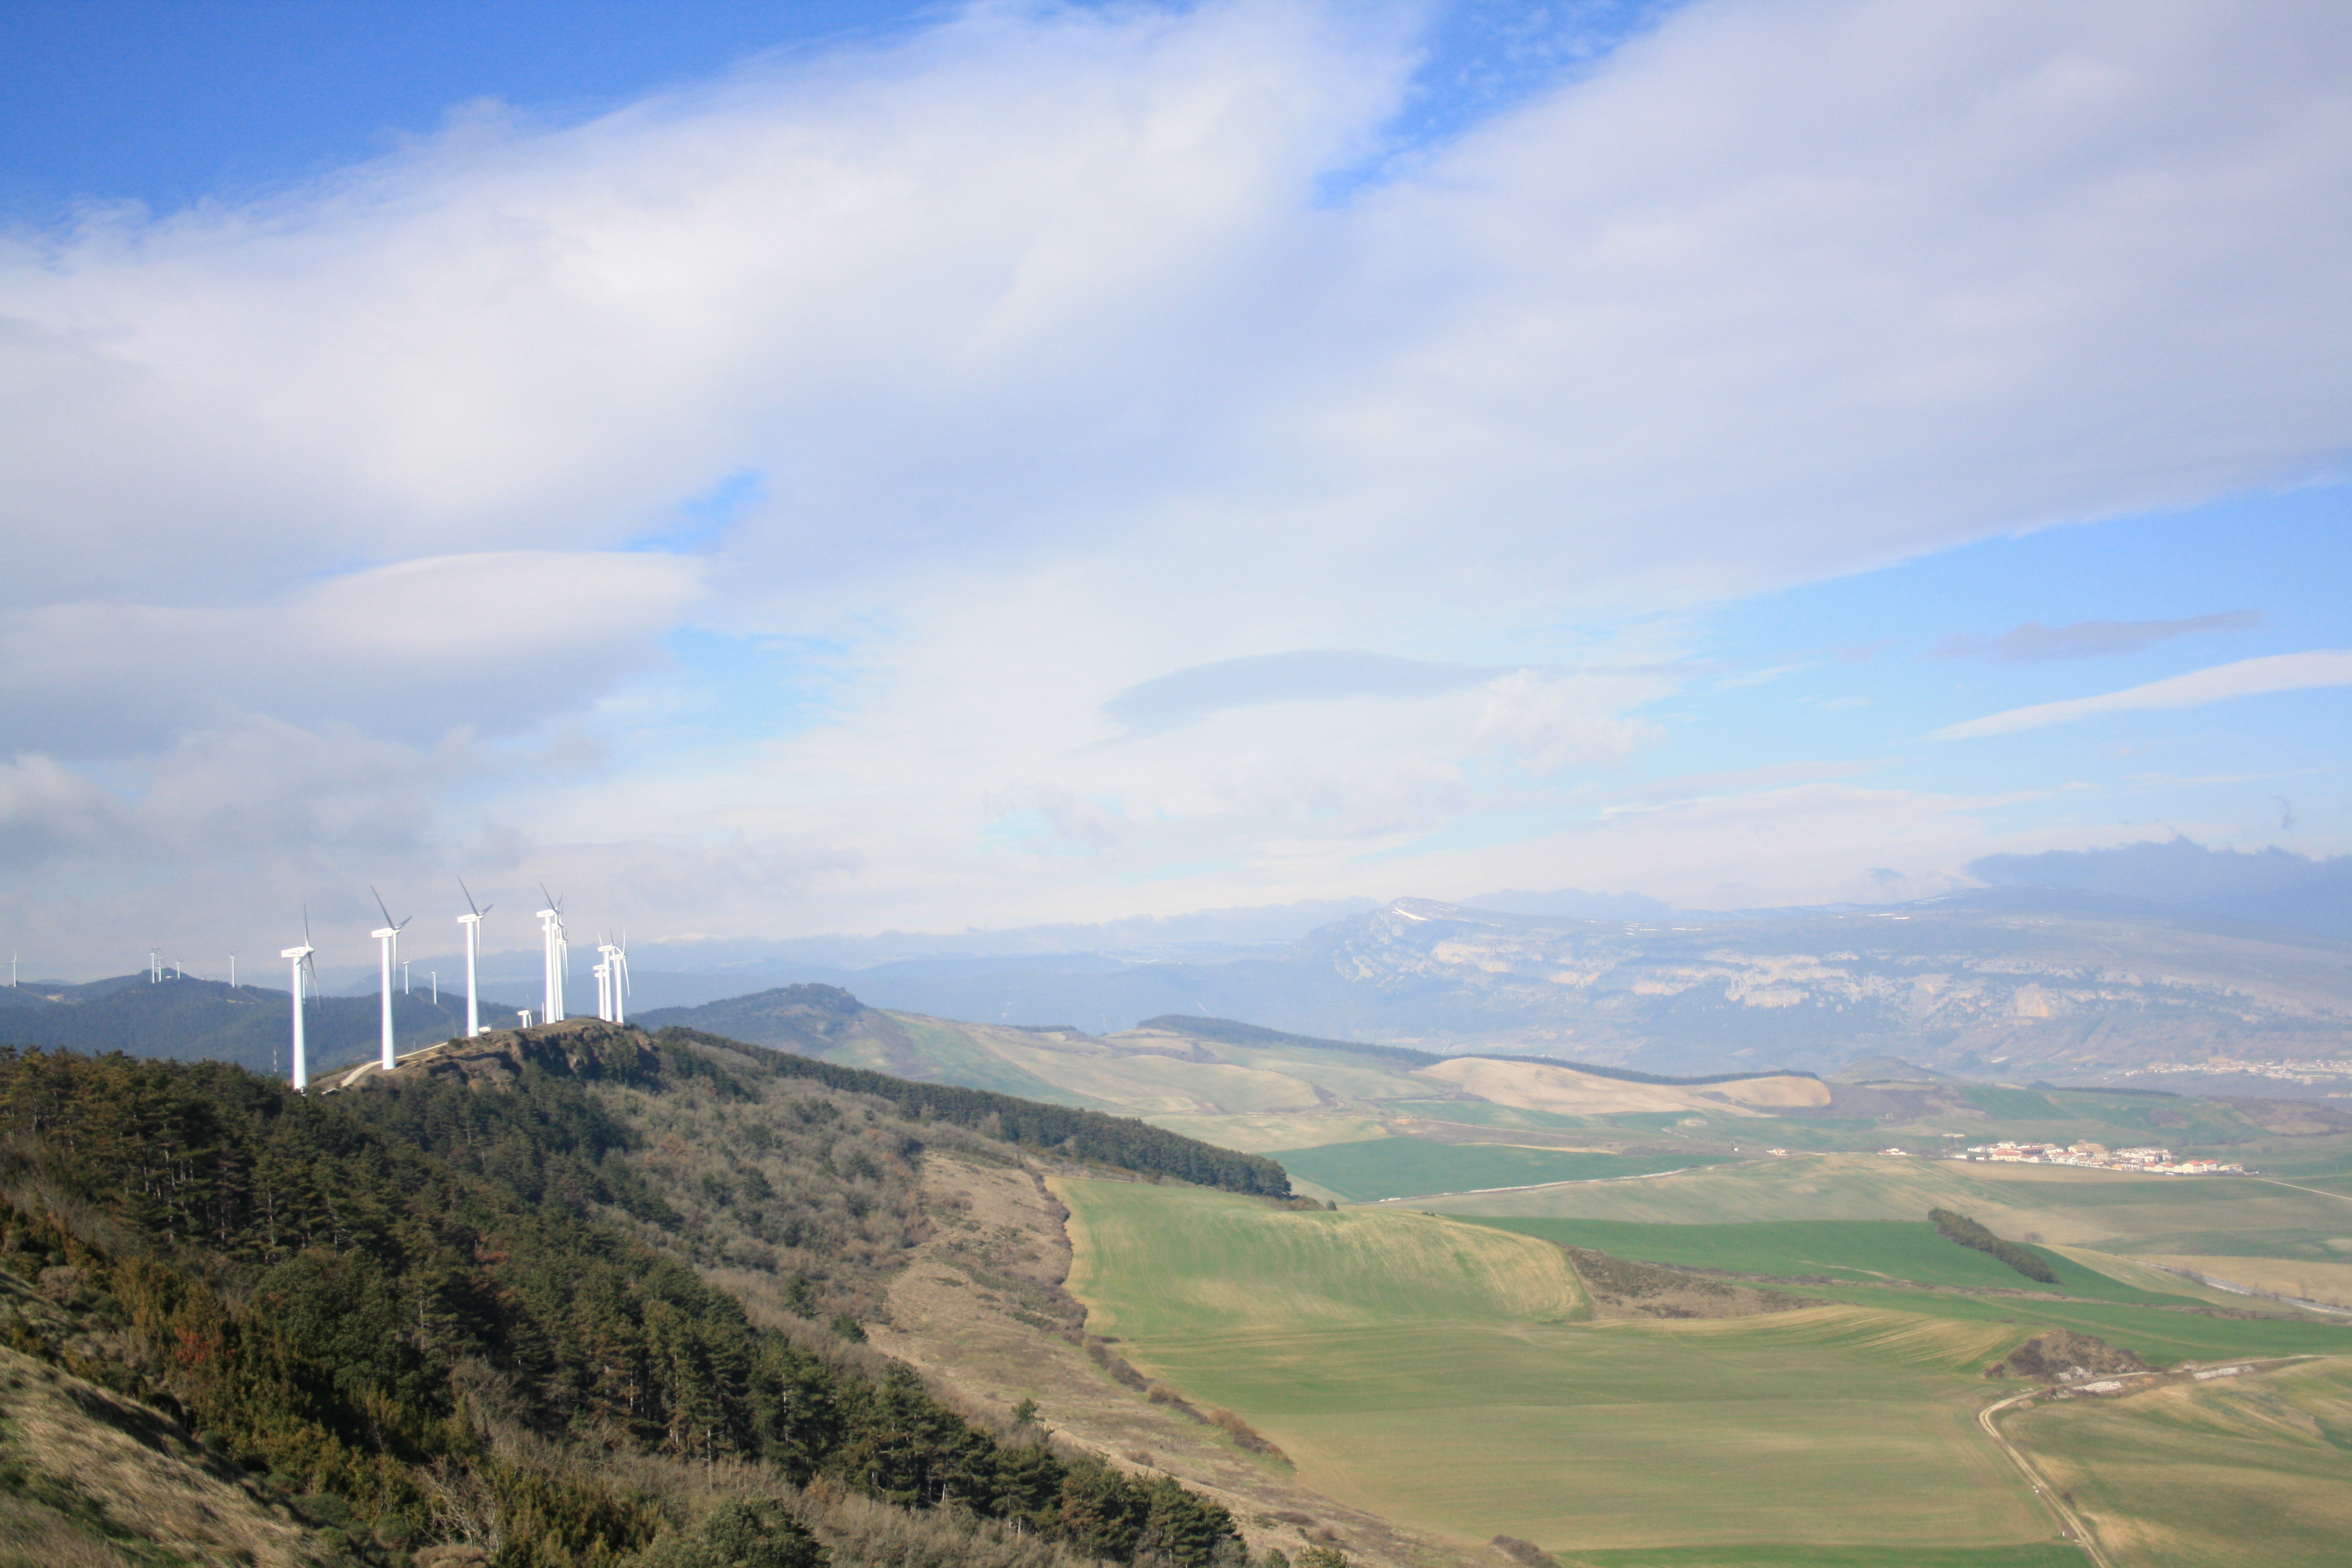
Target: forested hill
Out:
[460,1303]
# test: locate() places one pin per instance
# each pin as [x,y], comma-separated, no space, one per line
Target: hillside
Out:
[1362,1123]
[578,1296]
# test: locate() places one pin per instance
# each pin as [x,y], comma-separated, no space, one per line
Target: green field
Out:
[2111,1212]
[1368,1170]
[2251,1472]
[1859,1252]
[1422,1368]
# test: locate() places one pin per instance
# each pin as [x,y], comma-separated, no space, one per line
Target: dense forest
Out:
[427,1309]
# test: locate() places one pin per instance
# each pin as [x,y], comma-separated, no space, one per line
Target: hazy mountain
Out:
[190,1019]
[2009,983]
[2268,887]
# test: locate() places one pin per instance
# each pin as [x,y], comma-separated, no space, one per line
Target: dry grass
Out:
[87,1477]
[2328,1282]
[2247,1472]
[1530,1085]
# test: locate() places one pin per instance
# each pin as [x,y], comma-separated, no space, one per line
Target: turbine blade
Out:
[469,897]
[378,903]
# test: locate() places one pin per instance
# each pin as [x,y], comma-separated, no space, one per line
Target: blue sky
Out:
[860,466]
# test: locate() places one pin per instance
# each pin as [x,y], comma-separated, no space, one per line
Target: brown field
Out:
[1530,1085]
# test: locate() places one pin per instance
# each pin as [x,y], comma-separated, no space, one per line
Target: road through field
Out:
[2070,1524]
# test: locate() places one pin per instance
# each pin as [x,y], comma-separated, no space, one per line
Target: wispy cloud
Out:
[2032,643]
[1306,675]
[2247,678]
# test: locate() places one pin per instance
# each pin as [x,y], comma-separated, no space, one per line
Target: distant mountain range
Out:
[2011,984]
[204,1019]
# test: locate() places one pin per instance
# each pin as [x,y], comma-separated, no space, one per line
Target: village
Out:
[2087,1156]
[2315,1072]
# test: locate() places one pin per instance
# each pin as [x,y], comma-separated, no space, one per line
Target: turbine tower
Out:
[604,974]
[473,924]
[616,959]
[303,961]
[558,961]
[387,937]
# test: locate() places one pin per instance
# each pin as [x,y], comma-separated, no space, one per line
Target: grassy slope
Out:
[2082,1208]
[2247,1473]
[1410,1167]
[1408,1364]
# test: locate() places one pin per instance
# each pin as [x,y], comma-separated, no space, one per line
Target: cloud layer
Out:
[2247,678]
[1076,410]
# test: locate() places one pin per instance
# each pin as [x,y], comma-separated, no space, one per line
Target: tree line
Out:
[1960,1227]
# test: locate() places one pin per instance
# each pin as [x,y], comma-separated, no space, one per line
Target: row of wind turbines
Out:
[611,973]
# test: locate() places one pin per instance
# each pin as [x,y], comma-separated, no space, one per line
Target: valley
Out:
[1394,1303]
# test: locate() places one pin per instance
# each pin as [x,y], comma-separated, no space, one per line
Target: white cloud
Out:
[1060,383]
[2246,678]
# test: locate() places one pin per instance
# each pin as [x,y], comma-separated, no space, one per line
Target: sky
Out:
[770,472]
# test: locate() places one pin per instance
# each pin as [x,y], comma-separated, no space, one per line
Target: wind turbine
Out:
[615,968]
[604,974]
[388,938]
[558,957]
[473,924]
[303,961]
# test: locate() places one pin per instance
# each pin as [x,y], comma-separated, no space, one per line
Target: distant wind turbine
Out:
[387,937]
[473,924]
[604,974]
[303,961]
[558,960]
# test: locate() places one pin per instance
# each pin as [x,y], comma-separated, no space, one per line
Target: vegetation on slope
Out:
[1956,1226]
[1090,1135]
[409,1300]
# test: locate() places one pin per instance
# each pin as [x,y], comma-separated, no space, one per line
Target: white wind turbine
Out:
[618,958]
[604,974]
[473,924]
[558,961]
[303,961]
[388,939]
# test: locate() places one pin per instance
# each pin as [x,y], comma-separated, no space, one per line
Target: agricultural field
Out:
[2250,1472]
[1437,1371]
[1459,1386]
[1372,1170]
[1858,1252]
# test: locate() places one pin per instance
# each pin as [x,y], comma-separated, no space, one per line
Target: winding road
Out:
[2070,1524]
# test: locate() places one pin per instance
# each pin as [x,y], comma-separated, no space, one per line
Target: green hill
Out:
[472,1300]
